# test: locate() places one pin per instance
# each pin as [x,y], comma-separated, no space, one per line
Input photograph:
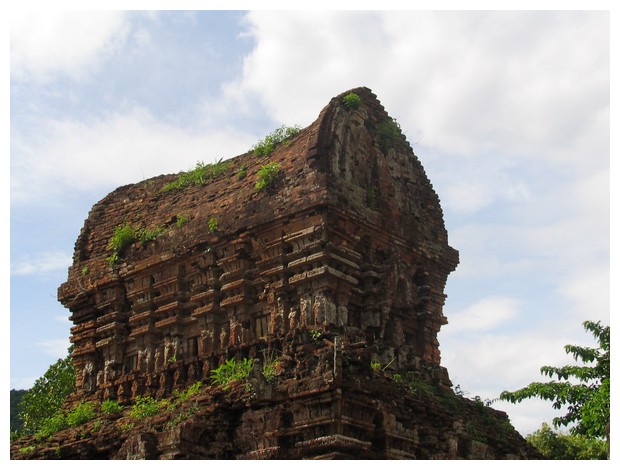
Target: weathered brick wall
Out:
[350,236]
[325,402]
[349,243]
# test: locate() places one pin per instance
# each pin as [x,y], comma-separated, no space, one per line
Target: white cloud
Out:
[22,383]
[57,348]
[47,44]
[527,83]
[490,364]
[41,263]
[588,294]
[493,363]
[485,314]
[115,150]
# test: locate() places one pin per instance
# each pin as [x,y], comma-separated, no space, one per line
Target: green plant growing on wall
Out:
[243,171]
[182,219]
[192,390]
[352,101]
[201,174]
[51,426]
[111,407]
[212,224]
[147,235]
[282,135]
[270,364]
[315,334]
[418,387]
[266,176]
[231,370]
[389,134]
[144,407]
[124,236]
[80,414]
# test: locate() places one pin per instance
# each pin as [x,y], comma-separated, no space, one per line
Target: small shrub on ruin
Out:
[315,334]
[389,133]
[52,425]
[282,135]
[126,235]
[181,220]
[123,237]
[212,224]
[270,365]
[243,171]
[201,174]
[182,396]
[352,101]
[111,407]
[231,370]
[267,175]
[144,407]
[148,235]
[81,414]
[419,387]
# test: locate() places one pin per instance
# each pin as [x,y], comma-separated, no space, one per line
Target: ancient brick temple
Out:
[335,271]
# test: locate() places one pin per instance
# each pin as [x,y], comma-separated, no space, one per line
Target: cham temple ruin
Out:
[322,261]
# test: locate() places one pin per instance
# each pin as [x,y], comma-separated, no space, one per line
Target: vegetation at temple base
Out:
[41,404]
[267,175]
[187,394]
[352,101]
[562,446]
[145,407]
[586,396]
[282,135]
[111,407]
[201,174]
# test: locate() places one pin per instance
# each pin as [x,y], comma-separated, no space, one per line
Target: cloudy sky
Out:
[508,112]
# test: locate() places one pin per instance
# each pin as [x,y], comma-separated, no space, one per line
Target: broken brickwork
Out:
[340,264]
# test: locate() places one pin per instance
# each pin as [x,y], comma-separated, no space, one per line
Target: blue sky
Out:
[508,112]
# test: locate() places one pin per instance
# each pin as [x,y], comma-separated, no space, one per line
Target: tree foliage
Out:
[16,421]
[586,396]
[45,398]
[560,446]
